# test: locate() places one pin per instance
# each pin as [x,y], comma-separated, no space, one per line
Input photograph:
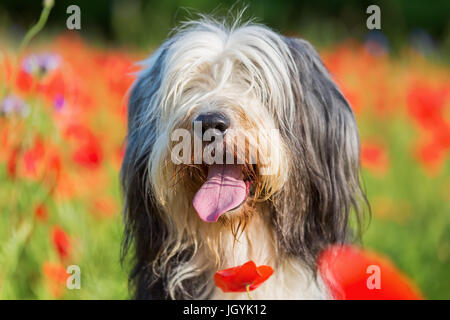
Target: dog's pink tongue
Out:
[223,190]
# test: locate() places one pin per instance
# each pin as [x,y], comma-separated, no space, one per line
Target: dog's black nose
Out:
[214,120]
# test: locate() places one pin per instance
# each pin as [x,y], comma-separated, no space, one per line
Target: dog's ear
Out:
[312,211]
[145,230]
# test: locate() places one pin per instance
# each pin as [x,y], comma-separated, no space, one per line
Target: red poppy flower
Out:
[425,104]
[237,279]
[54,165]
[89,156]
[61,242]
[374,157]
[88,152]
[40,212]
[55,277]
[24,81]
[352,98]
[32,156]
[353,274]
[104,207]
[432,156]
[12,163]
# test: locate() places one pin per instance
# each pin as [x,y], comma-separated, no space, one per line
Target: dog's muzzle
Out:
[214,120]
[225,188]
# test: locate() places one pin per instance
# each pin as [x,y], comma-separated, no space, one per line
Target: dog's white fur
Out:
[291,280]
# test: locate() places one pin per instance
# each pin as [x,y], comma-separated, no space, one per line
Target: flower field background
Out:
[62,130]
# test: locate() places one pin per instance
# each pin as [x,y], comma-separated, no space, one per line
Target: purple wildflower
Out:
[41,63]
[12,104]
[58,101]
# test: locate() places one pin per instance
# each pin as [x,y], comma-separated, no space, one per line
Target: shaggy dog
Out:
[187,217]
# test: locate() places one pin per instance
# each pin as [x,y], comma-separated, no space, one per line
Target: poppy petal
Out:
[237,279]
[347,271]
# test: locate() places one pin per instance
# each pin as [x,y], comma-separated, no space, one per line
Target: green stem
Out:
[48,5]
[4,82]
[247,287]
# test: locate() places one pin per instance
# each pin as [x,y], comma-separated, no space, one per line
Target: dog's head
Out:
[227,123]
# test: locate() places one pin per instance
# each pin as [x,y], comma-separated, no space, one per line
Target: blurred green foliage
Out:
[147,23]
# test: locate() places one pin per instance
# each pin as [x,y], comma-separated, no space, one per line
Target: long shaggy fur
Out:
[261,80]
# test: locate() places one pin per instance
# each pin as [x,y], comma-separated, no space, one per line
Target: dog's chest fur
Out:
[290,280]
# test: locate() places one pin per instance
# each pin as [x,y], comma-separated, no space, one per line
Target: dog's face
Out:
[218,149]
[226,124]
